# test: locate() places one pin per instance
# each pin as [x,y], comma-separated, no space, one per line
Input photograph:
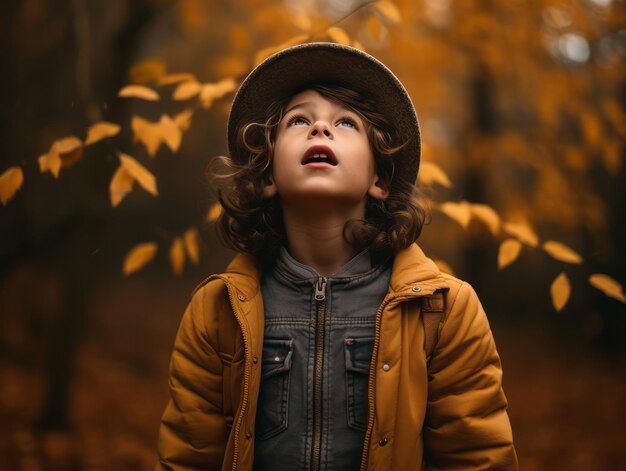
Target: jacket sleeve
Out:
[193,432]
[467,426]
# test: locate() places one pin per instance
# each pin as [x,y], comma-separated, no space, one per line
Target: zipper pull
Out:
[320,289]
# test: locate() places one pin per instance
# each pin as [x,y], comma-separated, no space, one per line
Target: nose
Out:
[320,128]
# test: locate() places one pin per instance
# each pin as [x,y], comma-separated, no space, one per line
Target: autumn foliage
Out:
[479,42]
[115,108]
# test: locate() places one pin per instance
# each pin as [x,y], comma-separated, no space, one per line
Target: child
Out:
[315,350]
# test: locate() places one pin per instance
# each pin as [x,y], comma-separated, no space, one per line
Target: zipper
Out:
[246,372]
[370,387]
[320,298]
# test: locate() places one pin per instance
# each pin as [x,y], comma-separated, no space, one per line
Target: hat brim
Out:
[298,66]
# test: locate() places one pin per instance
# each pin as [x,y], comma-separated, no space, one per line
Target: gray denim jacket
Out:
[319,336]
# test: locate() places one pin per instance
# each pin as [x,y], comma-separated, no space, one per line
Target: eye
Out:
[296,121]
[346,121]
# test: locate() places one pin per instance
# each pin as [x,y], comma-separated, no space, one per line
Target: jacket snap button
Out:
[255,360]
[416,289]
[382,442]
[386,367]
[248,435]
[241,297]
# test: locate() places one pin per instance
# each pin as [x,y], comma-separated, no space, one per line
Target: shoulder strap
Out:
[432,315]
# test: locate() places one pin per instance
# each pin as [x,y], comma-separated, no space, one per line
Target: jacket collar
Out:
[413,274]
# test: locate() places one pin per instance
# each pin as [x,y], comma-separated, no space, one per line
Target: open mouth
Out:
[319,154]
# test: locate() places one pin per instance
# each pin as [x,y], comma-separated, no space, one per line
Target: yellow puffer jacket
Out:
[448,414]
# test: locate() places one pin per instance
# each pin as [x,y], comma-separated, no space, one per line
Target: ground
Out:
[566,405]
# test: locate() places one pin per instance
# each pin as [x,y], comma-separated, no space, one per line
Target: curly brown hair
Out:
[254,225]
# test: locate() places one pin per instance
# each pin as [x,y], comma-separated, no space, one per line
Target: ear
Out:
[269,190]
[378,190]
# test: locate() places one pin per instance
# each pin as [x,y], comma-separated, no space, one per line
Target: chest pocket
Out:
[273,406]
[358,356]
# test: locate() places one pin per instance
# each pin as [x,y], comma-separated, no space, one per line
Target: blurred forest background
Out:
[522,107]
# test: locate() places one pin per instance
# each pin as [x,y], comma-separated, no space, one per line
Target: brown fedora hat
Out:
[291,69]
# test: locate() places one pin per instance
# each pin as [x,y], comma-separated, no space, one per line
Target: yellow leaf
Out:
[139,173]
[147,71]
[487,215]
[121,184]
[214,212]
[387,10]
[357,44]
[338,35]
[213,91]
[170,132]
[227,65]
[138,256]
[176,78]
[268,51]
[431,173]
[187,90]
[10,181]
[374,28]
[69,149]
[522,232]
[138,91]
[177,255]
[50,162]
[444,266]
[508,252]
[152,135]
[460,212]
[67,145]
[560,291]
[148,133]
[183,119]
[561,252]
[191,244]
[608,286]
[100,131]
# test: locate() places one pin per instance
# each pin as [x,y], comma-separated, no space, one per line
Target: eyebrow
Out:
[304,104]
[308,104]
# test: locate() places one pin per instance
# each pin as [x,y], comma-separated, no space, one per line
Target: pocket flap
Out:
[358,353]
[277,354]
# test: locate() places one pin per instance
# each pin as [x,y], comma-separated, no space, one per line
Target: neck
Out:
[315,238]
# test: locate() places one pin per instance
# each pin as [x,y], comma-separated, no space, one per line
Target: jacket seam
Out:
[452,305]
[211,350]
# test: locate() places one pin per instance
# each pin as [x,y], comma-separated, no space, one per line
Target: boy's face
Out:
[322,151]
